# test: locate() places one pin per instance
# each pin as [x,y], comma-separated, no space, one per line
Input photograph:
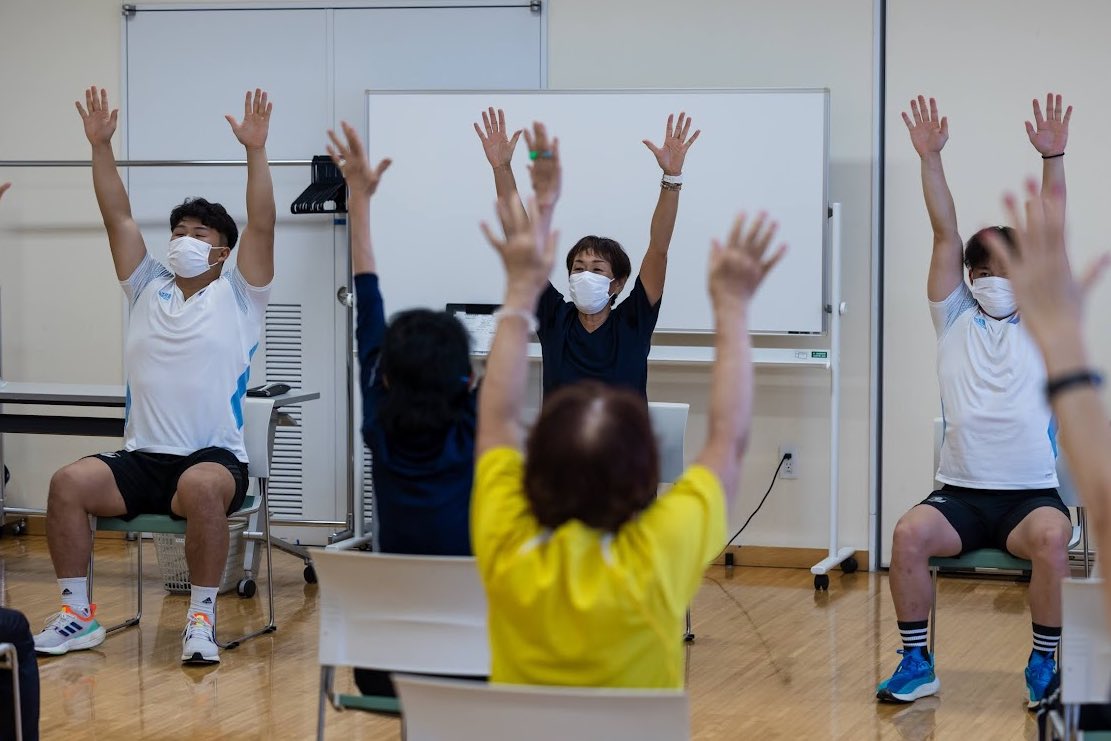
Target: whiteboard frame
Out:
[824,91]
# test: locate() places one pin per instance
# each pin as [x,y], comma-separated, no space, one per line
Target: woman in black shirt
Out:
[593,337]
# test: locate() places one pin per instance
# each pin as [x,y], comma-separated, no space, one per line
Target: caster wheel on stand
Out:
[310,574]
[849,565]
[821,582]
[246,588]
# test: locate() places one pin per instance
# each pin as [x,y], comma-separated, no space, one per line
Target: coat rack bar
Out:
[150,163]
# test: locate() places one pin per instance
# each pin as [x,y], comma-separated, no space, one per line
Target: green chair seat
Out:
[159,523]
[371,703]
[984,558]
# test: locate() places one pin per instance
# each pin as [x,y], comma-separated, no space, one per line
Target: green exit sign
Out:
[819,354]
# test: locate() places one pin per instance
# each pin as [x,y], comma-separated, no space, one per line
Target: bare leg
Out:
[1043,538]
[204,493]
[920,533]
[78,490]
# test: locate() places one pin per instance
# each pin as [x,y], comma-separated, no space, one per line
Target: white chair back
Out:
[1065,485]
[1085,643]
[257,413]
[669,422]
[424,614]
[437,710]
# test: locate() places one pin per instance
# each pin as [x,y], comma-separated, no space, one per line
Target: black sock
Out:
[1046,639]
[914,635]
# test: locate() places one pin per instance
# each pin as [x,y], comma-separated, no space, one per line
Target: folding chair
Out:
[982,558]
[669,423]
[438,709]
[421,614]
[258,435]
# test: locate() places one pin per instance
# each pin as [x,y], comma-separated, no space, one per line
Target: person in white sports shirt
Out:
[191,333]
[997,467]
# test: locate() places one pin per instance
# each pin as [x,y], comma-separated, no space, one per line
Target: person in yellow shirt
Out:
[587,573]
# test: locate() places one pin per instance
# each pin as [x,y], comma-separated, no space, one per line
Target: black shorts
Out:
[148,481]
[983,518]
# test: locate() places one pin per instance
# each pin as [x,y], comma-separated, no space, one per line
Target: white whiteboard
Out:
[758,150]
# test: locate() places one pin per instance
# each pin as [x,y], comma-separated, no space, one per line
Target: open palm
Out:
[1050,133]
[673,152]
[98,119]
[255,126]
[496,143]
[928,131]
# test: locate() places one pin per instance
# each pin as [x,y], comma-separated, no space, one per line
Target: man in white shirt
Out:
[998,455]
[191,334]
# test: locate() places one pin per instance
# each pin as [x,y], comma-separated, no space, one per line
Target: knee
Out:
[67,487]
[201,493]
[1051,546]
[910,538]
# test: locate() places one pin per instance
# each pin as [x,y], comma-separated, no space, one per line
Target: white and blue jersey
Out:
[188,362]
[999,429]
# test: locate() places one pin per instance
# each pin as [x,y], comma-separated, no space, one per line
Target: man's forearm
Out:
[358,219]
[261,212]
[939,199]
[111,196]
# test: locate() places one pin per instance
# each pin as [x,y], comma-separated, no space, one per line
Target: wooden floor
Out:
[773,659]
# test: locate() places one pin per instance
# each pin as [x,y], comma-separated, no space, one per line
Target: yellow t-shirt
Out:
[577,606]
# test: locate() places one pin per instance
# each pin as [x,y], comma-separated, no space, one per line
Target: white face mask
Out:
[188,257]
[590,292]
[995,296]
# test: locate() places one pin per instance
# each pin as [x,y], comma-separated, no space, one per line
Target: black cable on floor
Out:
[775,475]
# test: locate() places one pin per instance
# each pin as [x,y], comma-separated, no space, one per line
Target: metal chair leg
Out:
[270,626]
[933,610]
[1083,517]
[688,634]
[134,620]
[327,677]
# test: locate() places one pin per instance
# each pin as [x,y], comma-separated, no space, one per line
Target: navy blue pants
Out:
[15,630]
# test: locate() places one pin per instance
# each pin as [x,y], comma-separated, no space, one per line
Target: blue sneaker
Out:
[1039,673]
[913,679]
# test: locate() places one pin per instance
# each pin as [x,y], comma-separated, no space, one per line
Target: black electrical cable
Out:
[786,457]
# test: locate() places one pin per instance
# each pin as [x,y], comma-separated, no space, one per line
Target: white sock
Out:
[75,594]
[203,600]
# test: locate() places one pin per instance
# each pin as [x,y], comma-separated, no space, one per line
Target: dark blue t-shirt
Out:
[615,353]
[422,488]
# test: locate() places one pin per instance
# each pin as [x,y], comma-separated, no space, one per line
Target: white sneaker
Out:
[67,631]
[198,641]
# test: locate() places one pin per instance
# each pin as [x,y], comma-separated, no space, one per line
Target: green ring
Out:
[533,154]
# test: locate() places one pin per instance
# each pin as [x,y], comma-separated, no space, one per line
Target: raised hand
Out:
[671,154]
[527,250]
[497,145]
[350,158]
[545,170]
[928,131]
[738,265]
[99,120]
[1050,133]
[4,188]
[255,127]
[1049,297]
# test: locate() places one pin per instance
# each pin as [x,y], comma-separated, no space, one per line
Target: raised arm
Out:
[1049,134]
[670,156]
[4,189]
[499,151]
[362,182]
[736,270]
[124,238]
[527,253]
[256,248]
[1051,302]
[928,134]
[546,173]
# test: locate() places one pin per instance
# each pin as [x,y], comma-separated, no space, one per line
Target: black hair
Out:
[426,366]
[212,215]
[976,254]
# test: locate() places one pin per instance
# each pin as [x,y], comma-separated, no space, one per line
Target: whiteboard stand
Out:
[838,555]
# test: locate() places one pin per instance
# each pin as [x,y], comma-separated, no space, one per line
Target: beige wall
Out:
[998,56]
[61,306]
